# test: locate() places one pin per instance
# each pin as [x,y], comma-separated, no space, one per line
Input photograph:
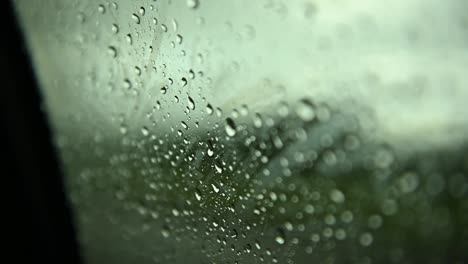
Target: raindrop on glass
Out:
[136,18]
[179,39]
[191,103]
[193,3]
[280,237]
[142,11]
[101,9]
[115,28]
[112,51]
[209,109]
[144,131]
[129,39]
[230,127]
[305,110]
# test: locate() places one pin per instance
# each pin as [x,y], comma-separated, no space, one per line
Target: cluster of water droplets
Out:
[232,182]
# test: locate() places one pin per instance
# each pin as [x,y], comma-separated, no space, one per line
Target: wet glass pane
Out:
[269,131]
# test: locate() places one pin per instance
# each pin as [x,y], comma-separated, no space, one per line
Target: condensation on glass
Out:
[269,131]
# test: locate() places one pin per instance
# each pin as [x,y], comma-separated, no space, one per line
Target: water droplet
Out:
[112,51]
[347,217]
[340,234]
[155,21]
[257,244]
[123,129]
[115,28]
[179,39]
[309,209]
[184,125]
[142,11]
[198,195]
[164,89]
[164,28]
[383,158]
[210,152]
[408,182]
[193,4]
[330,219]
[215,189]
[327,232]
[209,109]
[127,84]
[129,39]
[280,237]
[200,61]
[278,142]
[183,82]
[337,196]
[136,18]
[315,237]
[137,70]
[101,9]
[375,221]
[145,131]
[165,232]
[191,74]
[234,233]
[230,127]
[257,120]
[305,110]
[175,212]
[175,25]
[366,239]
[191,103]
[389,207]
[218,168]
